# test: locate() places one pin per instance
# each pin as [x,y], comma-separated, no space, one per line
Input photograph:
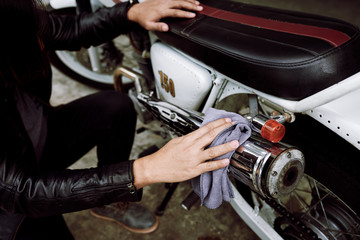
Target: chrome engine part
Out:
[271,169]
[179,120]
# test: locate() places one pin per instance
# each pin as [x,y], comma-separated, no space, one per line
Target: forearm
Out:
[71,32]
[66,191]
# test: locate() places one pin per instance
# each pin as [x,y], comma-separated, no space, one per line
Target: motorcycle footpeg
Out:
[190,200]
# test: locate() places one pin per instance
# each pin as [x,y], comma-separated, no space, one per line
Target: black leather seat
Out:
[283,53]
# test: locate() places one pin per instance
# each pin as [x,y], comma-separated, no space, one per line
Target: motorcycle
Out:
[278,69]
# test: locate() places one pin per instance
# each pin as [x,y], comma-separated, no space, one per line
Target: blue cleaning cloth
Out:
[214,187]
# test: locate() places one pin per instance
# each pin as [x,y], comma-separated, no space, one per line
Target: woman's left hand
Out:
[149,13]
[184,157]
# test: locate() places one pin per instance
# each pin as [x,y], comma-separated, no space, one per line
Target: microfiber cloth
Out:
[214,187]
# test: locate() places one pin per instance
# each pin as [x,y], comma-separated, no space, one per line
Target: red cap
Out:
[273,131]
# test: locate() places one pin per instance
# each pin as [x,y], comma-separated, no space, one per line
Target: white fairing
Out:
[191,82]
[335,107]
[342,116]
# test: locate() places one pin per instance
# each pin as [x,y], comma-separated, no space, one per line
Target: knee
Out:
[120,104]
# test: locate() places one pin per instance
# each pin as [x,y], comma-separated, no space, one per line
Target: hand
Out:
[149,13]
[185,157]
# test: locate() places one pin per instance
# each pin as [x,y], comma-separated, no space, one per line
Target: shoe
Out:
[131,216]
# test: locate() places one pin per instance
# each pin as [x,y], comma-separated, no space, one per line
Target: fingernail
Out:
[164,28]
[228,120]
[199,8]
[234,143]
[197,2]
[226,161]
[192,14]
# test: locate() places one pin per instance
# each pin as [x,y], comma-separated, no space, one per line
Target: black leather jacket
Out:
[24,191]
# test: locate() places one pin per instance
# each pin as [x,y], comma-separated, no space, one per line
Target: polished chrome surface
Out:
[272,170]
[259,121]
[179,120]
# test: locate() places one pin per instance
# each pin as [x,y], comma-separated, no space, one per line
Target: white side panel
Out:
[191,82]
[347,86]
[342,116]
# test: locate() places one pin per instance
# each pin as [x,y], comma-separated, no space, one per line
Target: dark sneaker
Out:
[132,216]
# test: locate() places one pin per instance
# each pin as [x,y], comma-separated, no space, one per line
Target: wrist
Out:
[142,173]
[131,14]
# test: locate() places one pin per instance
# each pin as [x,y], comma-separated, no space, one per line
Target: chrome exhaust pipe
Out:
[273,170]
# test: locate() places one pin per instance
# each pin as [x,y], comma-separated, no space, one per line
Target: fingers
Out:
[222,123]
[188,5]
[219,150]
[158,26]
[150,12]
[179,13]
[176,9]
[206,134]
[215,152]
[213,165]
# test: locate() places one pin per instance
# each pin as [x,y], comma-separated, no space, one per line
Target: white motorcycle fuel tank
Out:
[178,79]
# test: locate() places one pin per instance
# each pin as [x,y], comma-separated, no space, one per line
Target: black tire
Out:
[101,81]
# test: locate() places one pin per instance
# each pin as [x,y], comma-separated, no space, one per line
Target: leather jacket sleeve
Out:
[64,191]
[24,189]
[71,32]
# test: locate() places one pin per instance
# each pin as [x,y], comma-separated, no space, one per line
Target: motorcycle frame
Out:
[331,106]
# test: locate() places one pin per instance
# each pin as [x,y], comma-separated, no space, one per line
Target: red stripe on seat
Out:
[334,37]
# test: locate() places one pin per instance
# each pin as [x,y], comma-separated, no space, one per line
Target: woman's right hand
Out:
[184,157]
[150,12]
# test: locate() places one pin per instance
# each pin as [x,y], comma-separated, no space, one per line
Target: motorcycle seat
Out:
[287,54]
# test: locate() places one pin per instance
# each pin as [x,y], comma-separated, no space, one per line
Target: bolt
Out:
[172,116]
[274,173]
[288,155]
[274,113]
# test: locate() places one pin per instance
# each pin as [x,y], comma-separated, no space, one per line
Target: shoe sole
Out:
[134,230]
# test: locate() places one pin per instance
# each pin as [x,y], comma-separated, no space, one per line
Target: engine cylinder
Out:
[272,170]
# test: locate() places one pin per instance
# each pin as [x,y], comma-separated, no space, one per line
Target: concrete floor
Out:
[199,223]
